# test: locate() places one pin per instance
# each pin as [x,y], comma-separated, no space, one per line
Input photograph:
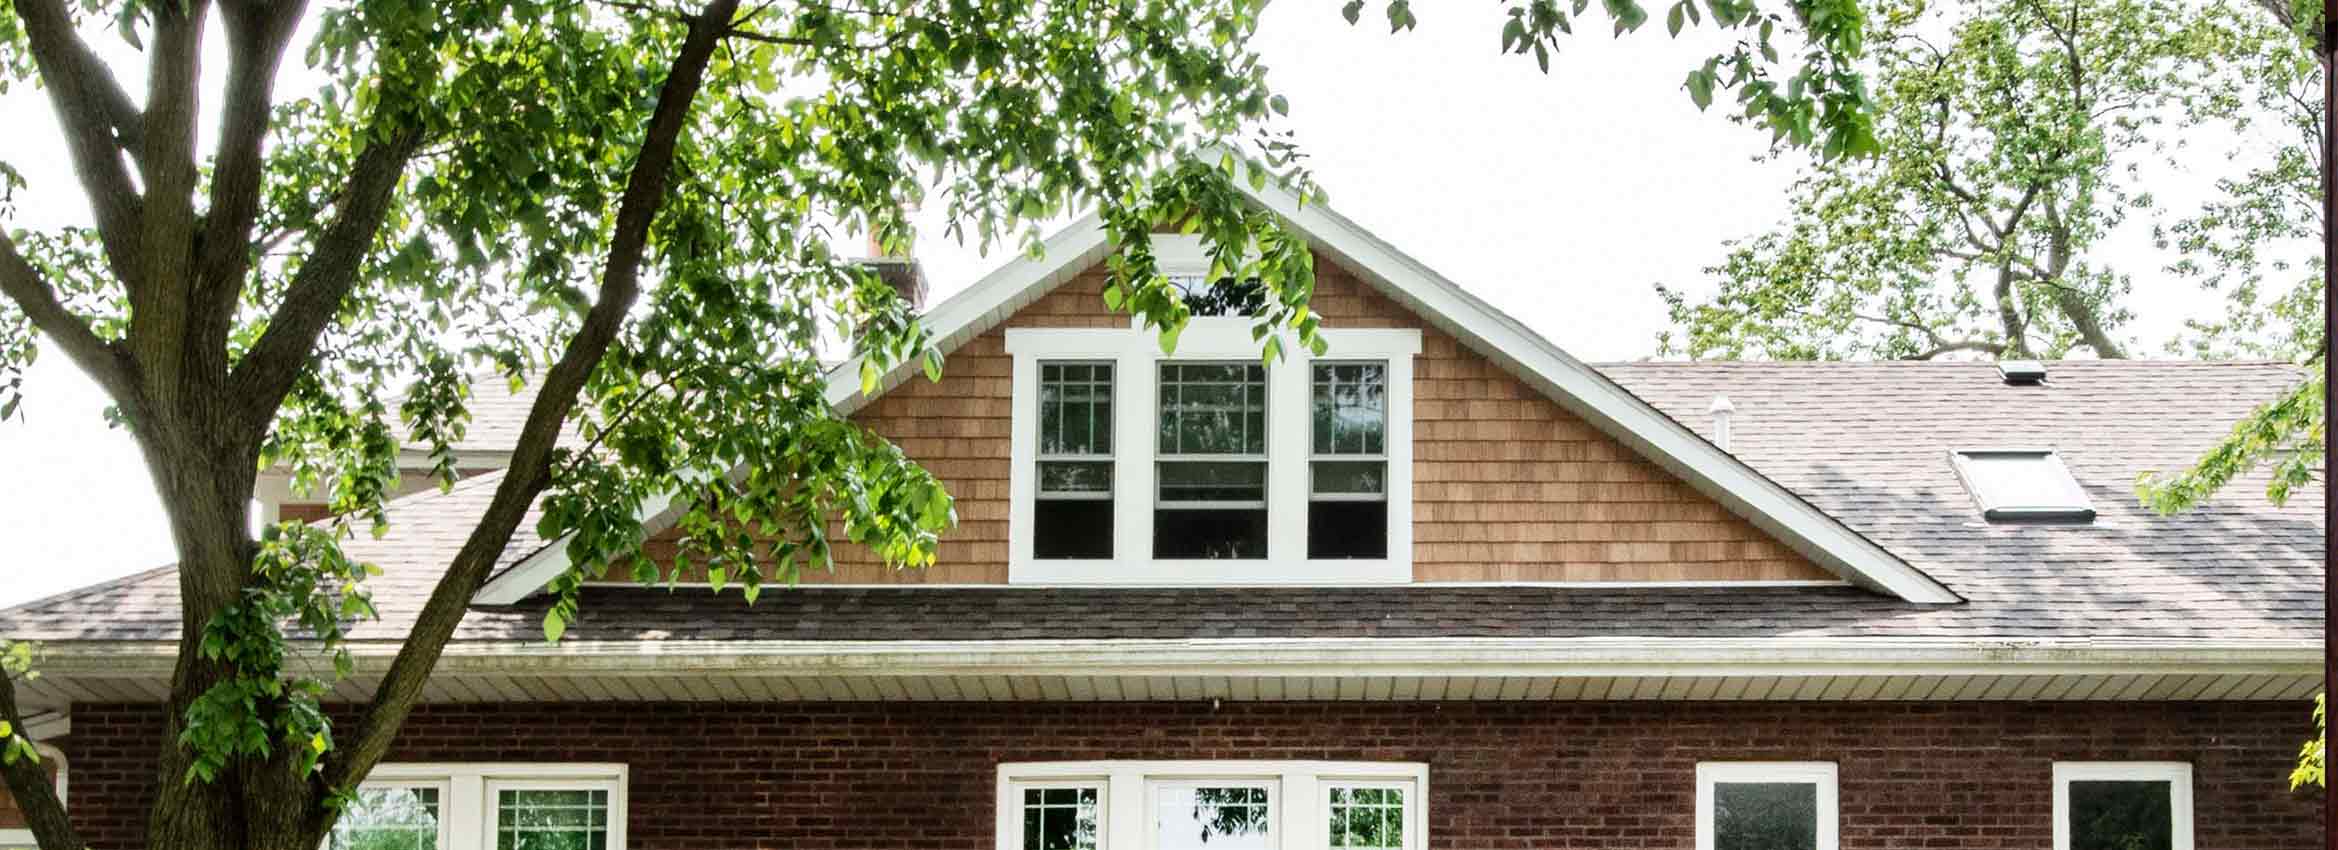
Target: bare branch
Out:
[1962,345]
[530,469]
[99,123]
[32,293]
[29,784]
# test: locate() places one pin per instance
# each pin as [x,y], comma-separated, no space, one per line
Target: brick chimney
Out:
[902,272]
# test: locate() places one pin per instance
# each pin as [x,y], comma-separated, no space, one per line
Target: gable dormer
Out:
[1454,446]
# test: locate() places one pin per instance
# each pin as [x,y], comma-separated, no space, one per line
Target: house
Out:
[1445,587]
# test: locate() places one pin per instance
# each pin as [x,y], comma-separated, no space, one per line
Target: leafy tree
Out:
[2009,131]
[630,203]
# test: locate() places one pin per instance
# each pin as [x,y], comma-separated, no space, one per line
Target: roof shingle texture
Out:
[1868,443]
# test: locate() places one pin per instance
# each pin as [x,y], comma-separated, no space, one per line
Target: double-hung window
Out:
[1215,805]
[1073,514]
[1212,462]
[1347,492]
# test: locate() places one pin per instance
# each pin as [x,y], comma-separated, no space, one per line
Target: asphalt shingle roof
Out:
[1868,443]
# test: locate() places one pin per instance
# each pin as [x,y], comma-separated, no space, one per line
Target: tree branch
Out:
[99,124]
[166,230]
[257,34]
[103,361]
[529,472]
[29,784]
[1962,345]
[313,299]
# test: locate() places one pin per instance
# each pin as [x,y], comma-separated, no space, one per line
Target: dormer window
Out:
[2017,485]
[1218,468]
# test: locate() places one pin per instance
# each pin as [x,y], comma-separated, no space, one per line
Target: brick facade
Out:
[1958,776]
[1508,486]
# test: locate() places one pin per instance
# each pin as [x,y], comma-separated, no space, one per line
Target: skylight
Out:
[2013,485]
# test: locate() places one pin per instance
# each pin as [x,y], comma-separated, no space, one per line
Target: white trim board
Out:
[1566,380]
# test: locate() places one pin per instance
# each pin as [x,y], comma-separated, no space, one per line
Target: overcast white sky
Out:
[1560,198]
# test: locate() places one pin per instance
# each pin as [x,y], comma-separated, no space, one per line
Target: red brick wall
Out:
[1501,775]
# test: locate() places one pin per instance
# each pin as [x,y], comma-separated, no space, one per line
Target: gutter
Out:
[1305,657]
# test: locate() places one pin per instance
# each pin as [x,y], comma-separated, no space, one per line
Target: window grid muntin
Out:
[593,809]
[1095,381]
[1091,810]
[1250,409]
[1386,802]
[434,807]
[1367,378]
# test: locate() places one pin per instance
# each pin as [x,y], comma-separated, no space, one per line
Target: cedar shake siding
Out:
[1959,776]
[1508,486]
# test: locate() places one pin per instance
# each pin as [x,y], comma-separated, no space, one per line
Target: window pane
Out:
[1059,819]
[1075,409]
[1072,528]
[552,819]
[1347,529]
[1213,408]
[1214,533]
[1350,477]
[1186,481]
[388,819]
[2121,815]
[1073,478]
[1765,816]
[1351,408]
[1212,818]
[1366,817]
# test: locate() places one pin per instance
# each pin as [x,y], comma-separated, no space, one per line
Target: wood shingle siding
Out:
[1509,487]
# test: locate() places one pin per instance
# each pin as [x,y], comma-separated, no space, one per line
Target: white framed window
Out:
[1072,512]
[1347,460]
[1766,806]
[517,806]
[2144,805]
[1211,805]
[1211,449]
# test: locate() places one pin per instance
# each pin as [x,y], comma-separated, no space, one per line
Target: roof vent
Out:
[2022,373]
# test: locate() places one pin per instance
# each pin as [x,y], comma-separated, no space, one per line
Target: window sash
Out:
[1298,797]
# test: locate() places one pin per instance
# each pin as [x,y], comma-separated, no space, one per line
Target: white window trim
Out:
[12,838]
[2178,776]
[466,809]
[1136,354]
[1300,793]
[1819,773]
